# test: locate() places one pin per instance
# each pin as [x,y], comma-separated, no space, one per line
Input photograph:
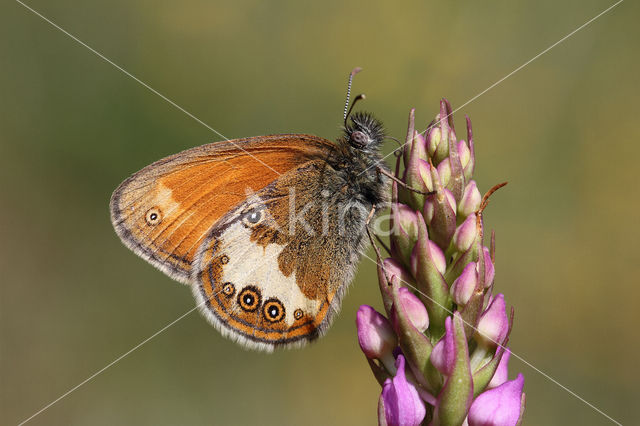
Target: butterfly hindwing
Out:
[165,211]
[272,272]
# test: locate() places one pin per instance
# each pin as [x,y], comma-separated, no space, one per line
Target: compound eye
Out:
[359,138]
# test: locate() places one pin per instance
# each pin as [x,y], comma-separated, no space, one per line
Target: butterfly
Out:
[267,230]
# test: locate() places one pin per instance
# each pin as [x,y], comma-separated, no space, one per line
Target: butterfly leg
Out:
[379,261]
[401,183]
[382,243]
[370,234]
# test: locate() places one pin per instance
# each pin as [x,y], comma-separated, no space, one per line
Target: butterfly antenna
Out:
[353,72]
[360,97]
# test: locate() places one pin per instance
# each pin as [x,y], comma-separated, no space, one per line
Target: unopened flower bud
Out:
[407,220]
[444,170]
[421,143]
[431,204]
[463,287]
[465,234]
[434,136]
[375,334]
[425,173]
[464,152]
[405,230]
[493,325]
[471,198]
[436,257]
[414,309]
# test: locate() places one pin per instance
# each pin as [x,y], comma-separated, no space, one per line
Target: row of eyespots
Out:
[250,300]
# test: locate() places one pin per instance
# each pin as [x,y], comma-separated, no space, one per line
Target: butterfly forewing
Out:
[165,211]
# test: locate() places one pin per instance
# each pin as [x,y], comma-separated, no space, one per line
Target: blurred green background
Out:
[563,131]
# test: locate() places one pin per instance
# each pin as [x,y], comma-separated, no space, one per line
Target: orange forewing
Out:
[164,211]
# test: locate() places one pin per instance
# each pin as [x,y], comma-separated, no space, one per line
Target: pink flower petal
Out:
[500,406]
[400,399]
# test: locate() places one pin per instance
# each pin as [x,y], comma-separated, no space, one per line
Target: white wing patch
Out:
[252,264]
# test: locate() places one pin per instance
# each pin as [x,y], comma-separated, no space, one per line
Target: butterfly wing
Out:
[165,211]
[272,272]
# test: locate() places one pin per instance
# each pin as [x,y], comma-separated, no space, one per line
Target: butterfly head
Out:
[364,132]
